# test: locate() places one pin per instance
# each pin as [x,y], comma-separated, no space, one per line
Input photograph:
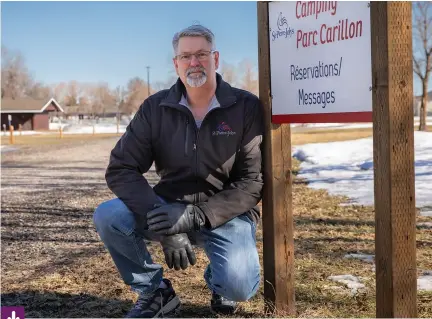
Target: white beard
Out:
[196,81]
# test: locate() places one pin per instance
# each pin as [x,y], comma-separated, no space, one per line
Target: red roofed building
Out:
[30,113]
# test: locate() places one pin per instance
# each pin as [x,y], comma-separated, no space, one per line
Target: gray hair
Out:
[195,30]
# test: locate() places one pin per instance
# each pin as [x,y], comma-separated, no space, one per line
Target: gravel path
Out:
[49,194]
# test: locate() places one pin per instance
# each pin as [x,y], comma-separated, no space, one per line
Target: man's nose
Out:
[194,61]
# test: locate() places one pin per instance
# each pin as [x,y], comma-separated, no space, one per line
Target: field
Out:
[54,264]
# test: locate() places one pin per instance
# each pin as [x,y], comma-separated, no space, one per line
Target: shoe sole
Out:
[223,311]
[171,308]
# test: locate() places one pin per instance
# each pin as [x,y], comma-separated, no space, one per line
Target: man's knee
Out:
[237,284]
[113,215]
[235,270]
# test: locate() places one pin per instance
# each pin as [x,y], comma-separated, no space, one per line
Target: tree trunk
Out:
[423,105]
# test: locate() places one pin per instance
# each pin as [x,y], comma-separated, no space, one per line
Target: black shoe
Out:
[221,305]
[163,302]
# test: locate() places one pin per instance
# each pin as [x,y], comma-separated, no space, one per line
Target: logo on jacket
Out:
[223,129]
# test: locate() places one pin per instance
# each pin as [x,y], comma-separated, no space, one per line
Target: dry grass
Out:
[54,264]
[53,138]
[315,136]
[326,135]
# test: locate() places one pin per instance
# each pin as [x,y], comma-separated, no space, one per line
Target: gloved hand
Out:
[175,218]
[178,251]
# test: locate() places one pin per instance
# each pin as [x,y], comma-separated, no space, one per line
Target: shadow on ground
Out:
[63,305]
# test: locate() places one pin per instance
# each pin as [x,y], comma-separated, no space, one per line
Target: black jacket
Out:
[217,167]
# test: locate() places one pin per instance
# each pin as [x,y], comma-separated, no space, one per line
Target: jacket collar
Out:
[224,92]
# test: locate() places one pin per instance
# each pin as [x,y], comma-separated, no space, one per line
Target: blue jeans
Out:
[234,268]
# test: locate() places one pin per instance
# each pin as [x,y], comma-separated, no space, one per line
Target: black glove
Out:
[175,218]
[178,250]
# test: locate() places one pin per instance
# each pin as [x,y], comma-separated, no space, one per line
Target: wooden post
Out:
[11,135]
[277,197]
[393,142]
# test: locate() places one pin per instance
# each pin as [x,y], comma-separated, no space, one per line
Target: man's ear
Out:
[216,57]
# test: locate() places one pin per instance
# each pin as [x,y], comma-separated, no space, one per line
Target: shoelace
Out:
[144,299]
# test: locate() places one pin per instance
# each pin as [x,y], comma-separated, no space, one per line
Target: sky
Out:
[115,41]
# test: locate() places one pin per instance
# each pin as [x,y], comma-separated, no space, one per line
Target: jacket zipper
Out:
[187,139]
[195,145]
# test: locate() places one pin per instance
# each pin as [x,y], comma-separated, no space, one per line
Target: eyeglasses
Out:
[201,56]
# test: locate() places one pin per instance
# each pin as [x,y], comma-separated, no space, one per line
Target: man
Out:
[204,137]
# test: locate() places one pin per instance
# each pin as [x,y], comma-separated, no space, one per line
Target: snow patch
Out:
[427,213]
[424,281]
[349,281]
[346,168]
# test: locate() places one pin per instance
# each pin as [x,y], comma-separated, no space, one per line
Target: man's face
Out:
[194,61]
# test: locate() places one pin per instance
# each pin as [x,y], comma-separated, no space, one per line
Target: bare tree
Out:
[86,98]
[119,95]
[101,98]
[228,72]
[422,36]
[15,77]
[38,91]
[59,91]
[73,93]
[84,101]
[136,93]
[249,79]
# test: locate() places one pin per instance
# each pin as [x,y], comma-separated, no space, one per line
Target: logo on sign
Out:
[284,30]
[281,21]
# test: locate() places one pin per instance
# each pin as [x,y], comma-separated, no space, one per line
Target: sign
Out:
[320,61]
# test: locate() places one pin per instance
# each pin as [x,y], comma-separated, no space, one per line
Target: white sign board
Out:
[320,61]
